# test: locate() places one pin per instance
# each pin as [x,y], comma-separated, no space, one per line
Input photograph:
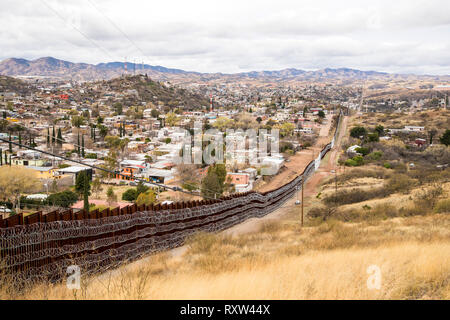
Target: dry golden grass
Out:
[284,261]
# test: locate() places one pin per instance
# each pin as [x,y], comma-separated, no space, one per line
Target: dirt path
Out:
[311,189]
[298,162]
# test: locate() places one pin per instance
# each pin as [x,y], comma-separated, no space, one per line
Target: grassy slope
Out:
[282,261]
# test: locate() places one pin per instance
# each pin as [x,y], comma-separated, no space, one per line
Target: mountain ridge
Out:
[53,67]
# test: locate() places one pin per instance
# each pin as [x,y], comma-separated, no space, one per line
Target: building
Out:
[241,181]
[159,175]
[73,172]
[413,129]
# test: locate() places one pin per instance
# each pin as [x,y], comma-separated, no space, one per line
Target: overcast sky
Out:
[406,36]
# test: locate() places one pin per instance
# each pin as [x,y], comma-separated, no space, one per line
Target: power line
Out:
[77,29]
[119,29]
[189,184]
[105,170]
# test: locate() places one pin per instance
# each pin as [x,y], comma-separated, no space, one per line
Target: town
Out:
[135,128]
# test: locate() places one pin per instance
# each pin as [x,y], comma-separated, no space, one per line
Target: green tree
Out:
[321,114]
[364,151]
[445,139]
[78,145]
[111,197]
[431,134]
[113,142]
[103,131]
[86,192]
[357,132]
[287,129]
[130,195]
[118,108]
[82,183]
[211,187]
[59,138]
[380,130]
[10,144]
[77,121]
[82,146]
[62,199]
[172,119]
[97,186]
[141,188]
[155,113]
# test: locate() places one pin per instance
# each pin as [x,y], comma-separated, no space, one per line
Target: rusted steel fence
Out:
[42,246]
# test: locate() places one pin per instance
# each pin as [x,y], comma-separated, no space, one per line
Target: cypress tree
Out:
[10,160]
[6,159]
[53,135]
[1,157]
[78,144]
[60,139]
[20,139]
[86,188]
[82,145]
[10,144]
[48,137]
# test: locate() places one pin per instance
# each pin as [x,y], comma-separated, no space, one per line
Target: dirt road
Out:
[298,162]
[311,188]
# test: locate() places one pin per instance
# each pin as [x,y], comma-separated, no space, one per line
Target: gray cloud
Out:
[234,36]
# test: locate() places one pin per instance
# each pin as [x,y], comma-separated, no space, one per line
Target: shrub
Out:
[91,156]
[387,165]
[130,195]
[443,206]
[355,161]
[353,196]
[146,198]
[398,183]
[363,150]
[375,156]
[63,199]
[373,137]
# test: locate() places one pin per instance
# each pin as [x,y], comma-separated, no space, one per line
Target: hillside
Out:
[9,84]
[51,67]
[152,91]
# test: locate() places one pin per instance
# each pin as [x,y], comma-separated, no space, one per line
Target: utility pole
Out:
[335,188]
[302,200]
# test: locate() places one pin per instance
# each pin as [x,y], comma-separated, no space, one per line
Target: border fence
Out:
[41,247]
